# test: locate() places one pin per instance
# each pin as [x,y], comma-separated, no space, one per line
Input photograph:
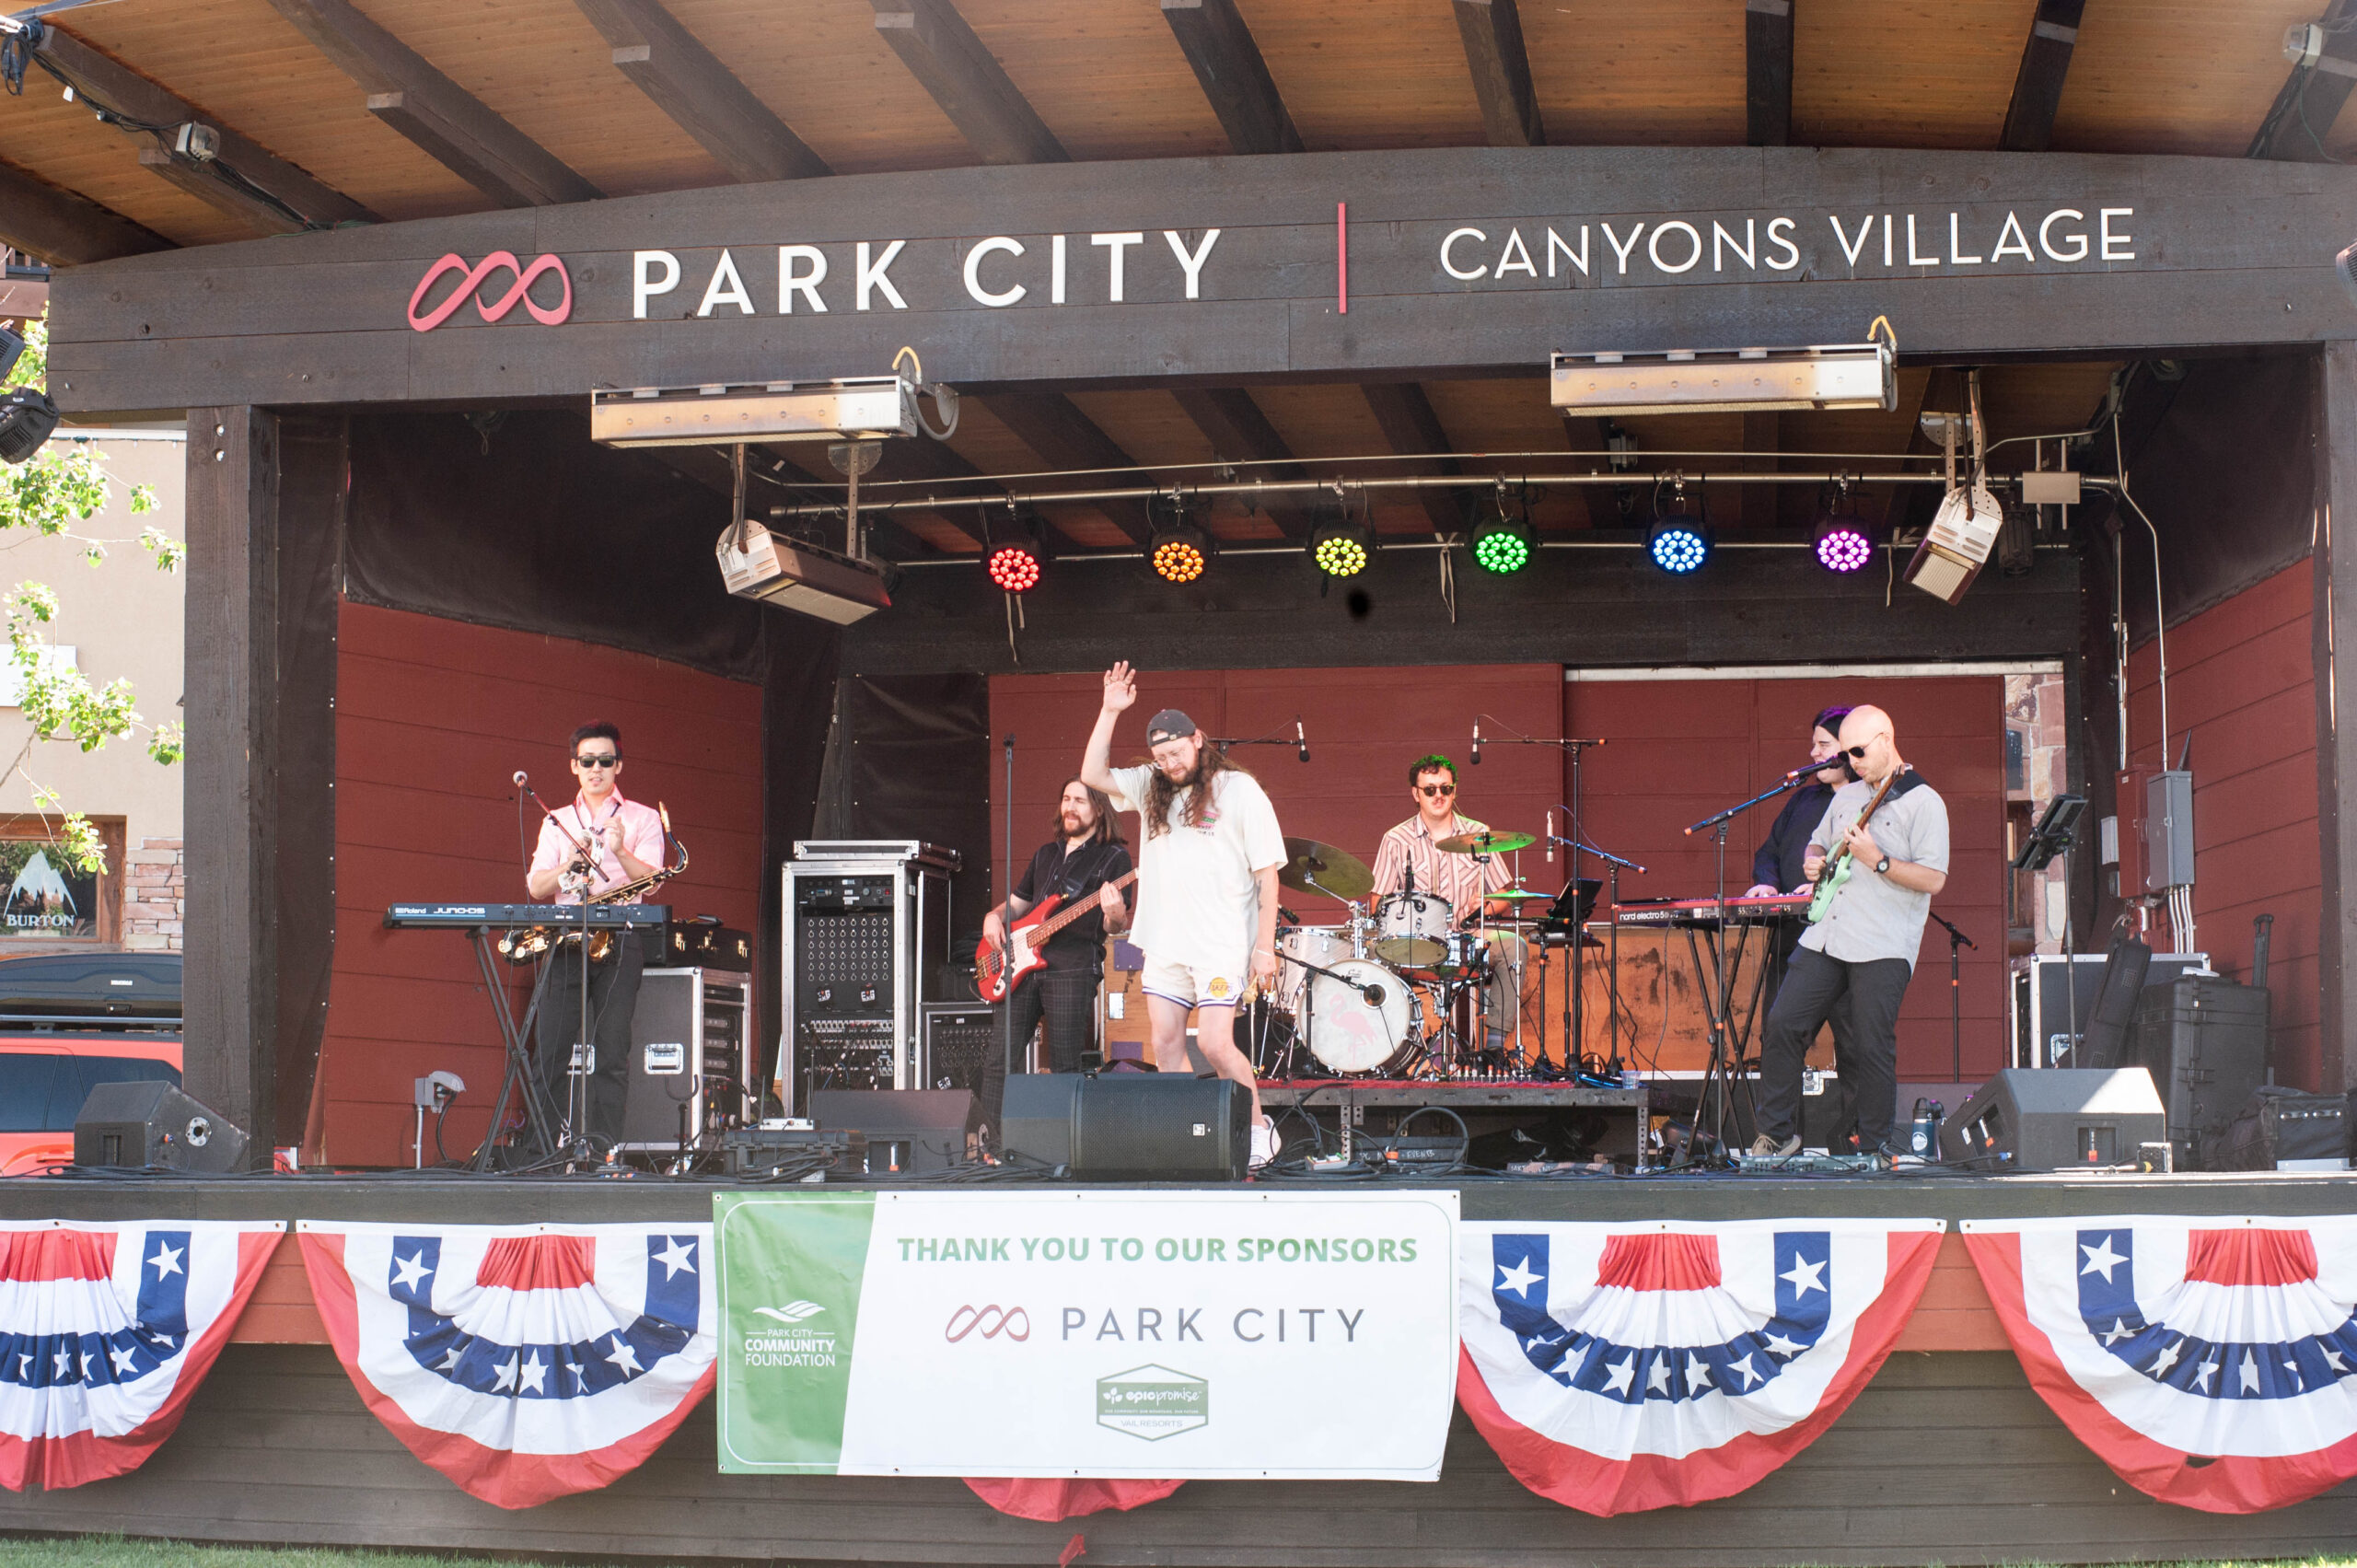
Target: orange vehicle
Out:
[69,1021]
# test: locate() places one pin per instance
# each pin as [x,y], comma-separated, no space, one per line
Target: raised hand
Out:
[1120,687]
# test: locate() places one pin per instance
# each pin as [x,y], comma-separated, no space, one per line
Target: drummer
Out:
[1412,847]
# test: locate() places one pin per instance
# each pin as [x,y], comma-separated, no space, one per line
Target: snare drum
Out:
[1351,1034]
[1411,929]
[1323,945]
[1463,955]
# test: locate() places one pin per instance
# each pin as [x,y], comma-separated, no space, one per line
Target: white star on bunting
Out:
[1779,1345]
[674,1257]
[1657,1376]
[2101,1258]
[535,1376]
[2168,1356]
[1518,1279]
[1804,1276]
[2247,1375]
[2203,1373]
[123,1357]
[1744,1366]
[624,1355]
[1698,1374]
[167,1260]
[2118,1331]
[506,1378]
[408,1272]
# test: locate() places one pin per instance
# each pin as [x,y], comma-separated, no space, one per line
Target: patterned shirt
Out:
[642,836]
[1459,878]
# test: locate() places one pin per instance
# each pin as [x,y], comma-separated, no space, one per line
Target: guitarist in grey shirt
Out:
[1861,954]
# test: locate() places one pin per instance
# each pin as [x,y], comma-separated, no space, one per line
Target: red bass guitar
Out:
[998,970]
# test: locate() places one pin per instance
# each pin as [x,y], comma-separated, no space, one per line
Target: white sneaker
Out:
[1264,1143]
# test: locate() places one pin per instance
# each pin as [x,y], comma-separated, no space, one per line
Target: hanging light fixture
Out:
[1678,542]
[1842,541]
[1179,553]
[1342,549]
[1015,566]
[1503,544]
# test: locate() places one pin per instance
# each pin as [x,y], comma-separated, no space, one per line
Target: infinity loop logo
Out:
[992,1320]
[473,278]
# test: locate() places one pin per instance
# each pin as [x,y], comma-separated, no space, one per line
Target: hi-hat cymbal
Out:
[1521,895]
[1336,873]
[1495,841]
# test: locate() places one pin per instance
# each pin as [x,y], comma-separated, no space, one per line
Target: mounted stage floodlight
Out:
[1179,553]
[793,575]
[1502,545]
[1016,565]
[1957,543]
[1342,549]
[1835,376]
[853,408]
[1842,541]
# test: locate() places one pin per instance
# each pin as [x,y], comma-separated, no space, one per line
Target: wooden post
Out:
[264,534]
[2335,624]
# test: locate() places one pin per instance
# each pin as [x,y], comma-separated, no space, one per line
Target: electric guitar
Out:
[1840,866]
[998,970]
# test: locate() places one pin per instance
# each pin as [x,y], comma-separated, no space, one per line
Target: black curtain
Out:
[913,760]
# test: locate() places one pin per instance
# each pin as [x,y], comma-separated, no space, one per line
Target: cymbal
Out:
[1493,841]
[1521,895]
[1339,873]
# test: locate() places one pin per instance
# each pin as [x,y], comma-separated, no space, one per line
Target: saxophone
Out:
[531,943]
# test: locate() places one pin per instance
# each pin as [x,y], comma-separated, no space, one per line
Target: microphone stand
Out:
[1573,1022]
[1958,942]
[1006,1002]
[1614,866]
[576,1135]
[1274,738]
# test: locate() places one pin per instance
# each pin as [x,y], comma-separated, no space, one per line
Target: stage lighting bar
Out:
[1179,554]
[793,575]
[853,408]
[1836,375]
[1342,549]
[1502,545]
[1680,544]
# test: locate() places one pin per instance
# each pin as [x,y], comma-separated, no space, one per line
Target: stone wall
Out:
[154,893]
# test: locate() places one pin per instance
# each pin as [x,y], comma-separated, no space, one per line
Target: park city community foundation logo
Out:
[1153,1403]
[787,1338]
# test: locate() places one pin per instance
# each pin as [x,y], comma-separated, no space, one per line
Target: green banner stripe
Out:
[789,1317]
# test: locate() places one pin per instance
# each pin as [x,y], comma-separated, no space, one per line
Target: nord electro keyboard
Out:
[1705,911]
[471,917]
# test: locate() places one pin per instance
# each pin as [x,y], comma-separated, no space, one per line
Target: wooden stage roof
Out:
[391,110]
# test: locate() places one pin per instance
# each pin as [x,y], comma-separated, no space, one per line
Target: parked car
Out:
[70,1021]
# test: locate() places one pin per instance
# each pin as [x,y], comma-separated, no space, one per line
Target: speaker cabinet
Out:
[691,1057]
[2056,1119]
[147,1124]
[906,1130]
[1130,1126]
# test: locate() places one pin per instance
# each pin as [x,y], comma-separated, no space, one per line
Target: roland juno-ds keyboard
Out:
[468,917]
[1705,911]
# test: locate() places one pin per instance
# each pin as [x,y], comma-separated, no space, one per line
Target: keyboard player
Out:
[596,843]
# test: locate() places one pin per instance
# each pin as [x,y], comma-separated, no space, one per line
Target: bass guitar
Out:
[1840,866]
[534,942]
[998,970]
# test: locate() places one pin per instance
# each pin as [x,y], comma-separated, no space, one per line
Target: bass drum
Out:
[1351,1034]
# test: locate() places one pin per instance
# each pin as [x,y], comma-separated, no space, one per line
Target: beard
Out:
[1192,776]
[1074,825]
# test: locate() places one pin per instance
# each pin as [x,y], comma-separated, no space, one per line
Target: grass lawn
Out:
[115,1551]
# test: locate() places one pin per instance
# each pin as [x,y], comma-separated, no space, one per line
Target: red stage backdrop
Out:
[433,718]
[1679,750]
[2242,683]
[1364,727]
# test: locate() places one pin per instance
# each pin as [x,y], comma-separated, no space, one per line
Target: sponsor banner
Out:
[1620,1367]
[1131,1335]
[2210,1362]
[105,1332]
[525,1362]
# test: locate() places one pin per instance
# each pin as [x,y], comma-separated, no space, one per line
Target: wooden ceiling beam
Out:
[122,88]
[64,229]
[1491,30]
[2310,100]
[942,53]
[1227,63]
[1411,427]
[1053,425]
[1239,432]
[702,97]
[1767,73]
[2037,85]
[1762,439]
[448,123]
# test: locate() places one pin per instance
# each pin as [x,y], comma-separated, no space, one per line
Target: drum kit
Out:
[1398,990]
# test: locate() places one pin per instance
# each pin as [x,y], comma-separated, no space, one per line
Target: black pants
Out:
[1067,1000]
[613,999]
[1817,989]
[1845,1041]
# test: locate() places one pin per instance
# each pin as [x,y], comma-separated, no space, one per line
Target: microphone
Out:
[1300,739]
[1840,761]
[521,778]
[1551,835]
[1477,741]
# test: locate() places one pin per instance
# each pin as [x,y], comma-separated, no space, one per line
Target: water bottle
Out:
[1924,1132]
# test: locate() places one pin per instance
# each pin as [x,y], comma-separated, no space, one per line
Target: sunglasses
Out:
[607,759]
[1433,791]
[1860,751]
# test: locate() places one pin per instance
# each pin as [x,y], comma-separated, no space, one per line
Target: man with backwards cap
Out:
[1209,852]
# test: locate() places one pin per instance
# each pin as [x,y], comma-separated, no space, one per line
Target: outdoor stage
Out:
[1947,1456]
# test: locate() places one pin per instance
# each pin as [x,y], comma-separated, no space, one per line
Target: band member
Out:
[1208,857]
[1459,878]
[620,842]
[1861,956]
[1086,853]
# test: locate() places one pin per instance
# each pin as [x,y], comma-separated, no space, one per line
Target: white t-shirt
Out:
[1198,904]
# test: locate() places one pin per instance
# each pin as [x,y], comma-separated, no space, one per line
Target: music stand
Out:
[2056,833]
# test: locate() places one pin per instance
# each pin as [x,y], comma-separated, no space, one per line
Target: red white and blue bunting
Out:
[1620,1367]
[2209,1362]
[523,1363]
[106,1330]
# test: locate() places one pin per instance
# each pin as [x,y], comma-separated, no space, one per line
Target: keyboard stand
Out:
[523,1075]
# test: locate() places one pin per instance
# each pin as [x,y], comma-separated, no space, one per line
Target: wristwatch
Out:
[1882,866]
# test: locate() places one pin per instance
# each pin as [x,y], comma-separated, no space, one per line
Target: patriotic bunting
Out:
[1049,1501]
[1620,1367]
[2207,1361]
[523,1363]
[106,1331]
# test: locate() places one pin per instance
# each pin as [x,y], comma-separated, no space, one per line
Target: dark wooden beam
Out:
[1768,71]
[64,229]
[1239,432]
[1227,63]
[2037,85]
[966,79]
[1410,425]
[1052,427]
[419,102]
[702,97]
[1762,439]
[2310,100]
[119,87]
[2334,629]
[1491,30]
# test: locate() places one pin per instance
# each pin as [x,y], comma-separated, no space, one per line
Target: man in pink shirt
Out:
[598,842]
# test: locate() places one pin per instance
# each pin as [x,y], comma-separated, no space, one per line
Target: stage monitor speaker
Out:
[148,1124]
[906,1130]
[691,1057]
[956,1039]
[1130,1126]
[2055,1119]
